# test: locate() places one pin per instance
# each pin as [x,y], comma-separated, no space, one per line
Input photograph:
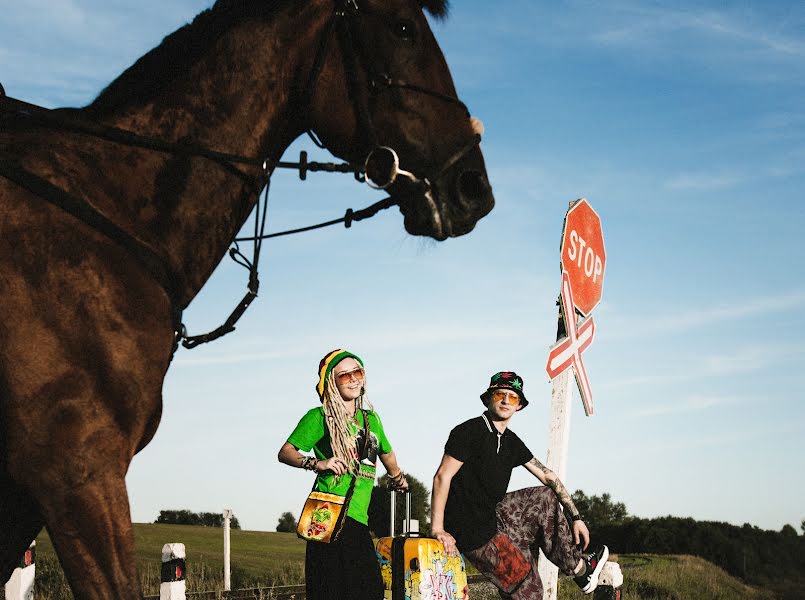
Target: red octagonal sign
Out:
[583,255]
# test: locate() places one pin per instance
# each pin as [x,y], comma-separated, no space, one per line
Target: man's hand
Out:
[447,541]
[580,532]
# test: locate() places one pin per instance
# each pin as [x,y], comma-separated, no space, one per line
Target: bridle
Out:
[380,169]
[381,165]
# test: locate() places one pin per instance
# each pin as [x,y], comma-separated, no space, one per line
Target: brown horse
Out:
[88,326]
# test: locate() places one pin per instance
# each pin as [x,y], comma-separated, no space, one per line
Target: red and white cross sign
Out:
[567,351]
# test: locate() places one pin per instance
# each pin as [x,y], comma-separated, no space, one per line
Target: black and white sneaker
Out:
[593,563]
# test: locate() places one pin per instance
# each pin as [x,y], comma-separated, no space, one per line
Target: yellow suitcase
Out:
[416,568]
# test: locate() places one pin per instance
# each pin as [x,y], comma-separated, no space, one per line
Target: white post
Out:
[174,571]
[610,582]
[558,442]
[227,573]
[392,512]
[20,585]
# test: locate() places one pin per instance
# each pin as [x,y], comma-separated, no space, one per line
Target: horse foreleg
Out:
[20,522]
[76,473]
[90,527]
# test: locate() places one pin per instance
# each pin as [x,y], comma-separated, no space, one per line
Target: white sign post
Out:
[556,461]
[173,584]
[20,585]
[583,259]
[227,571]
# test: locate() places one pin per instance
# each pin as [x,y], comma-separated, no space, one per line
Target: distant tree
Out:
[187,517]
[788,531]
[287,523]
[178,517]
[599,511]
[380,506]
[802,526]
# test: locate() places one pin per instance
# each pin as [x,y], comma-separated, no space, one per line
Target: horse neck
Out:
[237,100]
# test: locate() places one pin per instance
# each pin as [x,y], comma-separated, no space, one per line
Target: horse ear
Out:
[437,8]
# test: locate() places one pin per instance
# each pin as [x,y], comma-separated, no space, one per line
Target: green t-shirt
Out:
[311,432]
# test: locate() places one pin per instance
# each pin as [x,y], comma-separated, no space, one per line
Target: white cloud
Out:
[691,404]
[63,15]
[678,322]
[750,358]
[649,25]
[689,181]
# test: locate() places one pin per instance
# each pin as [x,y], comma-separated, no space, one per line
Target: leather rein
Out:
[343,24]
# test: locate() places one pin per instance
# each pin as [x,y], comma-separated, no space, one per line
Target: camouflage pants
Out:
[527,520]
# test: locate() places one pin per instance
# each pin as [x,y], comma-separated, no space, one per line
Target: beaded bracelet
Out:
[397,483]
[309,463]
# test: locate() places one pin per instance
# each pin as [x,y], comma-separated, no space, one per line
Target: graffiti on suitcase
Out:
[429,574]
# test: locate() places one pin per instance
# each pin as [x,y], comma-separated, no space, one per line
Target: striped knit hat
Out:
[330,360]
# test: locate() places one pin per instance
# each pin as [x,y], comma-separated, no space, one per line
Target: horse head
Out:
[380,95]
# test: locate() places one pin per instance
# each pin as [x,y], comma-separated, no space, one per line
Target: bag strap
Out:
[366,430]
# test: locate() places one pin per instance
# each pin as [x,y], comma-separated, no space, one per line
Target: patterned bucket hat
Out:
[507,380]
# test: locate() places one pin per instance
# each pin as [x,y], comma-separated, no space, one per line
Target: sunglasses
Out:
[511,397]
[346,376]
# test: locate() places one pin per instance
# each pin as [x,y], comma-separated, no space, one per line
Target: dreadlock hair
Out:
[339,422]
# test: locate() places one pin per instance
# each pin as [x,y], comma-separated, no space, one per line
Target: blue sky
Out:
[682,123]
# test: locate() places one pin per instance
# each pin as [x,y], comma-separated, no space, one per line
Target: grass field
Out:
[262,559]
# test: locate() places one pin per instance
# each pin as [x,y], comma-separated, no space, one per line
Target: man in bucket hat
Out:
[496,531]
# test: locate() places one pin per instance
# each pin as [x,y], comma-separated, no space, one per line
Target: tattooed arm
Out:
[549,478]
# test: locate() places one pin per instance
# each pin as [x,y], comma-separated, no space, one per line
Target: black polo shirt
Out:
[482,480]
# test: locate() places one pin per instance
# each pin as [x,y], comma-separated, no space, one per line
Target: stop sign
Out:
[583,255]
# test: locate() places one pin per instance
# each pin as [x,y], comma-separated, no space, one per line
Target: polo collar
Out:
[486,420]
[492,430]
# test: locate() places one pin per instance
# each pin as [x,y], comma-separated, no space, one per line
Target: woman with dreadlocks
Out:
[345,569]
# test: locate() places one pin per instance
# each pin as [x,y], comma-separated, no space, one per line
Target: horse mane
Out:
[437,8]
[184,47]
[178,51]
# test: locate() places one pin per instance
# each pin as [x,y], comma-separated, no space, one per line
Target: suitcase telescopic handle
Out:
[393,510]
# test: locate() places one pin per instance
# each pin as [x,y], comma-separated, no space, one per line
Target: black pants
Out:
[344,570]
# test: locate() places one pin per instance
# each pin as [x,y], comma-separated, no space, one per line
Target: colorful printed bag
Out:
[323,514]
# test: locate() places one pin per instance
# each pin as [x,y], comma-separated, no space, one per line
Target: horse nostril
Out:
[472,185]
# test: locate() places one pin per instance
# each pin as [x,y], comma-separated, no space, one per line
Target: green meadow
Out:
[264,559]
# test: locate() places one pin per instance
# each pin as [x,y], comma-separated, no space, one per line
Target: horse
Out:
[90,303]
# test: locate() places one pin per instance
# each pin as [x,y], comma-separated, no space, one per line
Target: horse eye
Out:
[405,30]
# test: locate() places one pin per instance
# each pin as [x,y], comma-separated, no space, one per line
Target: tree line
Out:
[772,559]
[187,517]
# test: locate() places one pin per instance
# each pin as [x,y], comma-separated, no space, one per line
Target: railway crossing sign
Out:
[567,351]
[583,260]
[583,255]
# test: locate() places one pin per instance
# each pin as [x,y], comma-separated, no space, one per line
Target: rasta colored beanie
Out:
[330,360]
[507,380]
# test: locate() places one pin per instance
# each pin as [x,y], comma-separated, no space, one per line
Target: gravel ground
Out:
[483,591]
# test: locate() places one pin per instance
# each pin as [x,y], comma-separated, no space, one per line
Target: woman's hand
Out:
[334,464]
[398,482]
[447,540]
